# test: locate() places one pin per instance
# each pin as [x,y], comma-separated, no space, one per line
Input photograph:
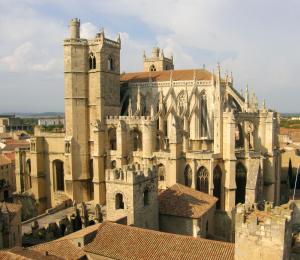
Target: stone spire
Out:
[119,38]
[218,73]
[246,97]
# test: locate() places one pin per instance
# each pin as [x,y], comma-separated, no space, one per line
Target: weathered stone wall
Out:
[263,234]
[176,225]
[132,183]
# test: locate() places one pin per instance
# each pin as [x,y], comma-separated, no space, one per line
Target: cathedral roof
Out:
[182,201]
[116,241]
[166,75]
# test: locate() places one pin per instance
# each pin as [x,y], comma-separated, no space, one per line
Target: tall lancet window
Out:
[203,118]
[92,61]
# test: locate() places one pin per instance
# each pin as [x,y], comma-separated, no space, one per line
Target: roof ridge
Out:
[108,223]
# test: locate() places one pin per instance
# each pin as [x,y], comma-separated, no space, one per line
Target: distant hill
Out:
[37,115]
[290,114]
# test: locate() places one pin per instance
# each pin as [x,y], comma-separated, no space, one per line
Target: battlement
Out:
[129,119]
[267,228]
[131,174]
[263,214]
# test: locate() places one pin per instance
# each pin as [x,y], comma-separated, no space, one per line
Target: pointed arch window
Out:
[119,201]
[202,179]
[112,138]
[110,63]
[203,121]
[188,176]
[92,61]
[241,181]
[217,179]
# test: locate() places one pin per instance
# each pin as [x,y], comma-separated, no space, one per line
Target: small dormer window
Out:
[92,61]
[110,64]
[152,68]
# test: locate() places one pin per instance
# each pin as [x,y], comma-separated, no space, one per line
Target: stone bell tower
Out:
[92,92]
[157,61]
[76,114]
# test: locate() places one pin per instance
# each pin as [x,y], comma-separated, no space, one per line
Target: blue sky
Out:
[257,40]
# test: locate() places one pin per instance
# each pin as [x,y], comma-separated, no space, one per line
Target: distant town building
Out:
[7,177]
[12,123]
[51,121]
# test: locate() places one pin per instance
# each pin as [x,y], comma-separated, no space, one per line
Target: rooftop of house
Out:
[4,160]
[116,241]
[11,144]
[166,75]
[66,246]
[10,208]
[20,253]
[62,248]
[182,201]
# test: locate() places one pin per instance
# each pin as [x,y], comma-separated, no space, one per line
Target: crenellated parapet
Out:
[266,227]
[131,174]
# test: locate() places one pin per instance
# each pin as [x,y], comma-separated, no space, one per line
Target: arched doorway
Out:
[188,176]
[217,180]
[202,179]
[58,169]
[241,181]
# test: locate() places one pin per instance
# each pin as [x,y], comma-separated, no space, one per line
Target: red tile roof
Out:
[11,145]
[19,253]
[11,207]
[130,243]
[177,75]
[183,201]
[4,160]
[293,133]
[63,248]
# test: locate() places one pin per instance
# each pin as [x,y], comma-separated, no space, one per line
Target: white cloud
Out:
[27,57]
[88,30]
[257,40]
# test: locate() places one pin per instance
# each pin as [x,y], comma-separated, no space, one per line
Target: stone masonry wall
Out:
[263,232]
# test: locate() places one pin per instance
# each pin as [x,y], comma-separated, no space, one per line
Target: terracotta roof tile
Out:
[10,155]
[63,248]
[19,253]
[4,160]
[117,241]
[165,75]
[11,207]
[11,145]
[183,201]
[88,232]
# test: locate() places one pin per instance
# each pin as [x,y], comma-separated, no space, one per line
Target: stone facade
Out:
[131,192]
[191,124]
[157,61]
[264,233]
[10,225]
